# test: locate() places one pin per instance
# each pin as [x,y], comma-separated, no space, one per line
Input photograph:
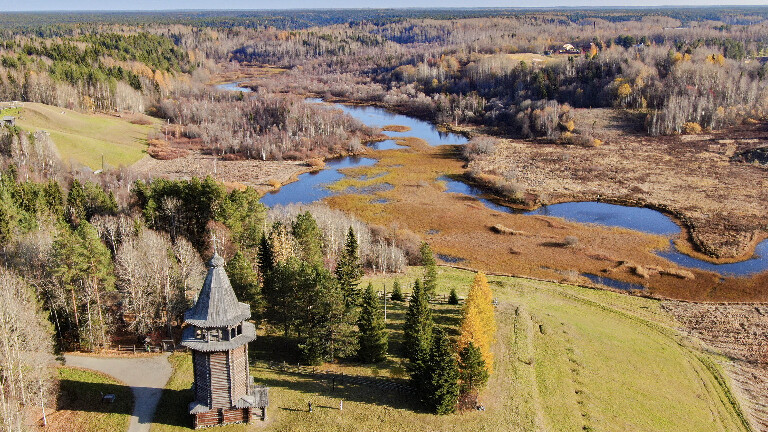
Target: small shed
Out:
[9,121]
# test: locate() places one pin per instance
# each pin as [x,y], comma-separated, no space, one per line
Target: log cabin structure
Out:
[218,335]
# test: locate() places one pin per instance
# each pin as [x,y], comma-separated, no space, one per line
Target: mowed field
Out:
[83,138]
[567,359]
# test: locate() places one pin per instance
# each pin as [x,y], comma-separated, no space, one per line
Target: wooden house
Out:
[218,336]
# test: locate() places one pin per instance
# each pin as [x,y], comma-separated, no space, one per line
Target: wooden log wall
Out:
[202,377]
[220,380]
[239,373]
[222,416]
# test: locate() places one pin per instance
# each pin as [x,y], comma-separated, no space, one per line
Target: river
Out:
[312,187]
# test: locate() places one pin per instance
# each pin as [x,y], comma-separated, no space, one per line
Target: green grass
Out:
[567,358]
[83,138]
[80,405]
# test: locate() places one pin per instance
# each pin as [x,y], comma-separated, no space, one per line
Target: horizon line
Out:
[424,8]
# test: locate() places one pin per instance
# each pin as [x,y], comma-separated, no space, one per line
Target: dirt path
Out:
[146,376]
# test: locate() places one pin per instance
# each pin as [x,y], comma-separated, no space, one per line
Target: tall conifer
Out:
[417,330]
[349,269]
[372,331]
[430,269]
[437,379]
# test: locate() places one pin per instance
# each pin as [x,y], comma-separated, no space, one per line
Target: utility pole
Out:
[385,302]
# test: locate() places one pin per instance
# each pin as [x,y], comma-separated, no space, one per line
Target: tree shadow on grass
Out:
[83,396]
[89,397]
[322,386]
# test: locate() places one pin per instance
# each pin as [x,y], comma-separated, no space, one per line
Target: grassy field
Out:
[84,138]
[80,407]
[568,358]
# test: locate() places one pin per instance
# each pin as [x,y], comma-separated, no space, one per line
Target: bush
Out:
[570,241]
[691,128]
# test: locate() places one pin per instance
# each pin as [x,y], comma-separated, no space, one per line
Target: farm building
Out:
[9,121]
[218,336]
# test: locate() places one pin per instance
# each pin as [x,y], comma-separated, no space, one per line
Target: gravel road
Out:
[146,376]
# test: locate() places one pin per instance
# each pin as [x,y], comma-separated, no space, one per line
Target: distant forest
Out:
[84,255]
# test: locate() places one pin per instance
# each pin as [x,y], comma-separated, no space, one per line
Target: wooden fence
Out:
[333,378]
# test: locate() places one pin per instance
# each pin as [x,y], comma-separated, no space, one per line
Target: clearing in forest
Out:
[82,139]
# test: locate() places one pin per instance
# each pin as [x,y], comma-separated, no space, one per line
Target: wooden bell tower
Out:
[218,336]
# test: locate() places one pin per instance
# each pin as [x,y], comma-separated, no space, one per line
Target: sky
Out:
[73,5]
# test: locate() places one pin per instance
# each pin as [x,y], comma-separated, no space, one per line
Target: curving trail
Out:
[146,376]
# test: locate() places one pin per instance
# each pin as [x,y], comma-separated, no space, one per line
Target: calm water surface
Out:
[312,187]
[634,218]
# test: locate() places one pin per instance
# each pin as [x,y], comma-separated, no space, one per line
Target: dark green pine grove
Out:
[372,336]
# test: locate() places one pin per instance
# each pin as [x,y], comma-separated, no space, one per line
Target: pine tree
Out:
[75,203]
[417,330]
[453,298]
[372,335]
[430,269]
[264,255]
[478,324]
[244,280]
[326,325]
[473,373]
[437,379]
[308,237]
[349,270]
[397,293]
[84,265]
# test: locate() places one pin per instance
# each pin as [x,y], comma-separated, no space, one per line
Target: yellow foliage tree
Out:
[478,324]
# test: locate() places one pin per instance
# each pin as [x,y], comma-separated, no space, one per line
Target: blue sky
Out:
[41,5]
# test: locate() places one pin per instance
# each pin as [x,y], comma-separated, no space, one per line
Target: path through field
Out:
[146,376]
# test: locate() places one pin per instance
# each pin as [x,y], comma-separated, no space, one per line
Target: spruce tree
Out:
[473,373]
[437,379]
[397,293]
[430,269]
[417,330]
[453,298]
[372,334]
[349,269]
[264,255]
[325,325]
[478,323]
[308,237]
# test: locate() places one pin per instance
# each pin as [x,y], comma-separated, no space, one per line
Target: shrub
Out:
[570,241]
[691,128]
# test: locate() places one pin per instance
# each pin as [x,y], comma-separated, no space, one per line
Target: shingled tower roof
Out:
[217,305]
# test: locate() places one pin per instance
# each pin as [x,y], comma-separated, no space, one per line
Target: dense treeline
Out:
[466,71]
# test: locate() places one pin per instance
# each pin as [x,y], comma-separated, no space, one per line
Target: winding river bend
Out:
[312,187]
